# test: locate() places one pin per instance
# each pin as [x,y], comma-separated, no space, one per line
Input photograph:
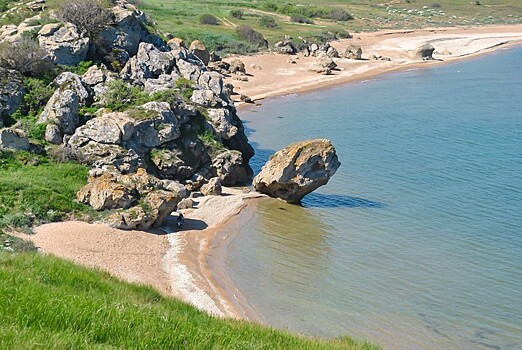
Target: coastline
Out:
[279,75]
[191,264]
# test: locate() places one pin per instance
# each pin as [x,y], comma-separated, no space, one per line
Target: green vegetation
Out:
[53,304]
[34,189]
[318,19]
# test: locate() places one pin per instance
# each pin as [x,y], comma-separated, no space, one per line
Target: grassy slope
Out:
[34,189]
[181,17]
[48,303]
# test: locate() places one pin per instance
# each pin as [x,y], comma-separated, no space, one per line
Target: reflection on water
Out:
[416,242]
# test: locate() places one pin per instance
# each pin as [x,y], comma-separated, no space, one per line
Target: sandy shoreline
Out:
[191,263]
[277,76]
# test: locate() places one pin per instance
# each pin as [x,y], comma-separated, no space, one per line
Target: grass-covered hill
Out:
[48,303]
[319,18]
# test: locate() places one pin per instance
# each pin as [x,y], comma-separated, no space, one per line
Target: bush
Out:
[301,19]
[120,95]
[236,14]
[208,19]
[90,16]
[25,56]
[36,96]
[339,15]
[267,22]
[250,35]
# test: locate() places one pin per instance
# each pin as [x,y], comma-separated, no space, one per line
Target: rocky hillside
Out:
[149,117]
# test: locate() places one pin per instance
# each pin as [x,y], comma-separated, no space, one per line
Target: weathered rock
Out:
[11,92]
[106,192]
[285,47]
[13,139]
[176,43]
[62,107]
[94,76]
[230,168]
[214,82]
[161,204]
[205,98]
[324,65]
[185,203]
[53,134]
[297,170]
[332,52]
[134,218]
[223,123]
[160,127]
[127,31]
[62,110]
[424,52]
[149,62]
[101,142]
[237,67]
[189,70]
[110,128]
[64,43]
[212,187]
[198,49]
[156,207]
[353,52]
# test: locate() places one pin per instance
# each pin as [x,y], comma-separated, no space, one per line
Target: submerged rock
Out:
[297,170]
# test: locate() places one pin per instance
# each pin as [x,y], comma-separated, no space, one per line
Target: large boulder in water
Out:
[297,170]
[424,52]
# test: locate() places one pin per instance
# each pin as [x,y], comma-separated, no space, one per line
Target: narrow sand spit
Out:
[278,75]
[171,260]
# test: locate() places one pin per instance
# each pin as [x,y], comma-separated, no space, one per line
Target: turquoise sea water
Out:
[416,242]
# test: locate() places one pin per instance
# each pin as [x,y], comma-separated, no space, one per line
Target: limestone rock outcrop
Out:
[11,92]
[297,170]
[64,43]
[423,52]
[323,65]
[62,107]
[353,52]
[158,199]
[13,139]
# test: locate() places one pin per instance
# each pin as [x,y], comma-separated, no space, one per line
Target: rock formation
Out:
[297,170]
[424,52]
[173,128]
[353,52]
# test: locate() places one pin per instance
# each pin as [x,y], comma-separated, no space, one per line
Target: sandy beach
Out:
[278,75]
[190,263]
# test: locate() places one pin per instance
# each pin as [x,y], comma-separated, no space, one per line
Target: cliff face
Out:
[143,105]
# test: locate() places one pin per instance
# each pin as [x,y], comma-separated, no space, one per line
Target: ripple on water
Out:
[416,242]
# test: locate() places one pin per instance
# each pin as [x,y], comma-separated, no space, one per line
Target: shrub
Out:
[36,96]
[236,14]
[339,15]
[208,19]
[90,16]
[120,95]
[435,5]
[25,56]
[267,22]
[301,19]
[250,35]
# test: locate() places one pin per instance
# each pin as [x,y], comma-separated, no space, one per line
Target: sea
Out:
[416,242]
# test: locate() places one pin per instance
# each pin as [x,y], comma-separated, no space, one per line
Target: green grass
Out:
[181,17]
[48,303]
[34,189]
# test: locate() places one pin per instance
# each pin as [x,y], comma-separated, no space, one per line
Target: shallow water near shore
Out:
[416,242]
